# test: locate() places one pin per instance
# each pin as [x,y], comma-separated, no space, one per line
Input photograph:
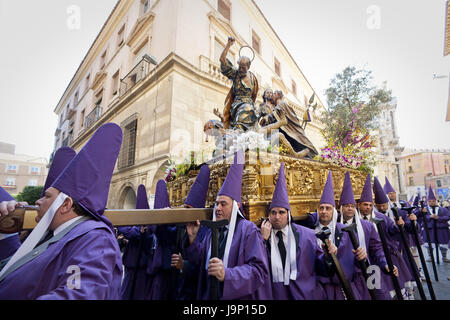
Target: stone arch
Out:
[127,199]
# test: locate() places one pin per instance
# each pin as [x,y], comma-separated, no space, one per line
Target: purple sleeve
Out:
[193,253]
[97,258]
[130,233]
[244,280]
[376,253]
[444,215]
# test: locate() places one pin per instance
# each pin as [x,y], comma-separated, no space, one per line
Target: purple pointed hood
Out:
[431,195]
[411,200]
[366,194]
[416,201]
[380,195]
[161,195]
[347,196]
[199,190]
[61,159]
[4,195]
[280,198]
[328,191]
[232,186]
[387,186]
[87,178]
[141,198]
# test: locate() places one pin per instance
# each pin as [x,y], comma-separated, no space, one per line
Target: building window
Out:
[411,181]
[409,160]
[438,183]
[10,182]
[87,79]
[410,169]
[75,99]
[120,36]
[294,88]
[145,6]
[224,7]
[103,60]
[34,170]
[82,118]
[115,83]
[277,66]
[12,167]
[127,151]
[32,183]
[256,42]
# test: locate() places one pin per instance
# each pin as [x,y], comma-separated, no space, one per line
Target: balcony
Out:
[139,72]
[70,113]
[92,117]
[213,69]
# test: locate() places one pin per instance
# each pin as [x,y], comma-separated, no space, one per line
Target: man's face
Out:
[269,95]
[432,203]
[45,202]
[382,207]
[278,217]
[325,213]
[365,208]
[392,196]
[243,67]
[224,208]
[348,211]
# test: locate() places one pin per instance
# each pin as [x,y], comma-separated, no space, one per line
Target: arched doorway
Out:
[128,198]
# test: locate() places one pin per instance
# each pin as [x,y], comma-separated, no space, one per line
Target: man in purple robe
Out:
[9,243]
[242,266]
[138,252]
[394,203]
[368,240]
[439,217]
[296,259]
[72,253]
[188,271]
[326,218]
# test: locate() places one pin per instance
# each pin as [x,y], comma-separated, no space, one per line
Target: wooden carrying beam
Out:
[24,218]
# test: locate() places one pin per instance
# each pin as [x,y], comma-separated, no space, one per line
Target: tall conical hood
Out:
[431,195]
[380,195]
[87,178]
[387,186]
[61,159]
[199,190]
[141,198]
[347,196]
[280,198]
[161,195]
[232,186]
[328,191]
[4,195]
[366,194]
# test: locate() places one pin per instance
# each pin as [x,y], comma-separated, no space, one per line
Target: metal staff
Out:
[387,254]
[421,256]
[363,264]
[411,261]
[427,232]
[436,242]
[324,235]
[214,226]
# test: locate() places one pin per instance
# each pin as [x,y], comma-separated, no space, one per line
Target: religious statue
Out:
[266,108]
[290,131]
[239,111]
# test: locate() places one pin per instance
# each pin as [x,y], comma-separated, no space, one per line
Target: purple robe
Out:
[443,233]
[395,249]
[247,275]
[375,256]
[136,256]
[309,257]
[9,246]
[92,247]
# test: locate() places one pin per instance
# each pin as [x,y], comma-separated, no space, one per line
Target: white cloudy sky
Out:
[40,54]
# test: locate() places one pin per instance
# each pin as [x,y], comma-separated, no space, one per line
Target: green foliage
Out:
[348,90]
[30,194]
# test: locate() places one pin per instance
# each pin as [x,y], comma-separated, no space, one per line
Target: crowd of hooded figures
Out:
[74,251]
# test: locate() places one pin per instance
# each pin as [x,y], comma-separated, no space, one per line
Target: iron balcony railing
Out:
[139,72]
[93,116]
